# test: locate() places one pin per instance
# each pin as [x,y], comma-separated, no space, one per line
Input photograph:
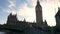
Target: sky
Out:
[25,9]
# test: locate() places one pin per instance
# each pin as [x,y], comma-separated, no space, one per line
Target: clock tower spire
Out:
[38,9]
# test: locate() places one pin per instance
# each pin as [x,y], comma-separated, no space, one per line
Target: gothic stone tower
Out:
[12,19]
[38,9]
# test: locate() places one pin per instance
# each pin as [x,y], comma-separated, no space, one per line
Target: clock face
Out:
[38,8]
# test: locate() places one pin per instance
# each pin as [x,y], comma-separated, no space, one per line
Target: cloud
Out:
[31,2]
[27,12]
[24,11]
[10,8]
[50,8]
[11,3]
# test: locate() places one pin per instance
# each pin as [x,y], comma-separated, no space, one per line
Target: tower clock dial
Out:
[38,8]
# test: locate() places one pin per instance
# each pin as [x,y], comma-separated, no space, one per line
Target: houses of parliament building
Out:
[12,19]
[39,26]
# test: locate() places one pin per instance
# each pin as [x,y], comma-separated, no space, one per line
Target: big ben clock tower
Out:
[38,9]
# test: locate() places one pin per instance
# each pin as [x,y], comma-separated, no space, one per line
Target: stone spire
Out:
[38,3]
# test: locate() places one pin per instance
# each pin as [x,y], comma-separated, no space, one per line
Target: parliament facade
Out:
[12,19]
[23,27]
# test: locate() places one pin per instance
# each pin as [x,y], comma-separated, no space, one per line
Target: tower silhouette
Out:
[12,19]
[38,9]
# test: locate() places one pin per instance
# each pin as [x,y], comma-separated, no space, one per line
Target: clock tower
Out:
[38,9]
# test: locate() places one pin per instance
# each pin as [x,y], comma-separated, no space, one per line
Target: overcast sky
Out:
[26,9]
